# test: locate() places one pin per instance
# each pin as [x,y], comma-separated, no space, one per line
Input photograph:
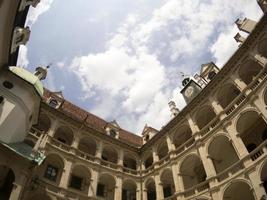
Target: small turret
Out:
[174,110]
[41,72]
[21,94]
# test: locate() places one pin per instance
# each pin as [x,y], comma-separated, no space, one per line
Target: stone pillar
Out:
[155,155]
[118,189]
[170,144]
[237,142]
[99,150]
[16,192]
[120,157]
[241,85]
[218,109]
[75,143]
[138,191]
[177,182]
[257,184]
[144,194]
[259,59]
[64,181]
[159,188]
[93,184]
[206,161]
[53,128]
[261,107]
[194,128]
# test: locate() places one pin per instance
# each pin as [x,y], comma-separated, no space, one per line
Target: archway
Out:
[148,161]
[182,135]
[248,71]
[129,161]
[264,176]
[87,145]
[252,129]
[192,171]
[227,94]
[128,190]
[162,149]
[204,116]
[7,178]
[222,161]
[167,181]
[52,168]
[238,190]
[80,179]
[110,154]
[151,189]
[44,123]
[106,186]
[64,135]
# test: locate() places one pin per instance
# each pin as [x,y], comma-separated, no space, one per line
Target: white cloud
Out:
[130,69]
[22,57]
[32,17]
[34,13]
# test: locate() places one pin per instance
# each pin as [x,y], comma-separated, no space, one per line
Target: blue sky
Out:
[121,59]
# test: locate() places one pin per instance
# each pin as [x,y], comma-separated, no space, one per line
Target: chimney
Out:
[173,109]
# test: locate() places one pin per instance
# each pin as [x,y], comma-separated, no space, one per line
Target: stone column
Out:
[257,184]
[159,187]
[170,144]
[53,128]
[155,155]
[120,158]
[65,175]
[16,192]
[118,189]
[206,161]
[93,184]
[99,150]
[237,142]
[138,191]
[241,85]
[75,143]
[144,194]
[194,128]
[261,60]
[218,109]
[178,183]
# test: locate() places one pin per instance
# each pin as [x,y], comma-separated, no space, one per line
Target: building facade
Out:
[215,148]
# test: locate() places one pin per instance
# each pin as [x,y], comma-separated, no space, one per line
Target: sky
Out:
[122,59]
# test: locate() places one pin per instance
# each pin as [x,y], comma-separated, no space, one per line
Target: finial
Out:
[41,72]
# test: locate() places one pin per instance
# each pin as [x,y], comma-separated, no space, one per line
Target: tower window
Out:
[112,133]
[8,85]
[76,182]
[51,173]
[147,138]
[53,103]
[211,75]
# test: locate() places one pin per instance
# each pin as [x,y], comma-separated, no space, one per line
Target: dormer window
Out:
[211,75]
[53,103]
[113,133]
[147,138]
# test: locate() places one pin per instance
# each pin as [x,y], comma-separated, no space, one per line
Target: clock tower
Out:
[190,89]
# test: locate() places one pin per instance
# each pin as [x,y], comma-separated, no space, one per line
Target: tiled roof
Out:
[91,120]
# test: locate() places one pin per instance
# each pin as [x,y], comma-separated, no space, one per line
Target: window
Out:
[53,103]
[100,190]
[211,75]
[147,138]
[8,85]
[113,133]
[76,182]
[51,173]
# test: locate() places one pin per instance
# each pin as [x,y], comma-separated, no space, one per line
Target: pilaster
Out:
[159,188]
[65,174]
[118,188]
[93,184]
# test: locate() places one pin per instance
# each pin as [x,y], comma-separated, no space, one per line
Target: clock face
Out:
[189,91]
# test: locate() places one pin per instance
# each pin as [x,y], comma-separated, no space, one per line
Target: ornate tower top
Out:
[41,72]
